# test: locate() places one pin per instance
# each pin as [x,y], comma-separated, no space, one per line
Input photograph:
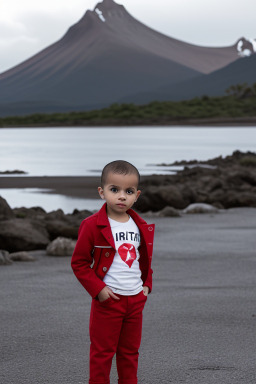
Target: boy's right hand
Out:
[106,293]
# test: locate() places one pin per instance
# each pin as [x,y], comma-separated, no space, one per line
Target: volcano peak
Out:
[108,6]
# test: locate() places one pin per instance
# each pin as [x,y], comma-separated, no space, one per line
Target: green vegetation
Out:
[240,102]
[248,161]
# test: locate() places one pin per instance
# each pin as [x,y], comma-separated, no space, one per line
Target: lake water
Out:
[84,151]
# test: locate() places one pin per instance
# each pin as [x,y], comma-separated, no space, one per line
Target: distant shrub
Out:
[21,215]
[241,102]
[248,161]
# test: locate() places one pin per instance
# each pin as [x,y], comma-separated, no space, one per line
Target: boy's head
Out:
[119,187]
[120,167]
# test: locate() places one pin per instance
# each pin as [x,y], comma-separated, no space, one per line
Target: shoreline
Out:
[202,122]
[230,183]
[73,186]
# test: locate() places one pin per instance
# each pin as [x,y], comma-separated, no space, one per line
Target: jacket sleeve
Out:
[147,249]
[82,260]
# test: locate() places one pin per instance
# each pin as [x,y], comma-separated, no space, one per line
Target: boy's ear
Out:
[101,193]
[137,195]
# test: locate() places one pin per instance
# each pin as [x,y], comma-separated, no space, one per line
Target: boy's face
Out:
[120,193]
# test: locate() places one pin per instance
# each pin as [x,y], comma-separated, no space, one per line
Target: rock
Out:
[200,208]
[229,182]
[4,258]
[37,213]
[56,215]
[168,212]
[171,195]
[77,217]
[214,184]
[234,198]
[61,247]
[156,198]
[58,228]
[21,256]
[23,234]
[5,210]
[143,204]
[238,177]
[15,171]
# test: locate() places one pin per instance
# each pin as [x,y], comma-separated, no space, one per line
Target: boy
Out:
[112,260]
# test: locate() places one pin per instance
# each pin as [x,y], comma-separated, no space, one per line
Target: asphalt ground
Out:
[199,321]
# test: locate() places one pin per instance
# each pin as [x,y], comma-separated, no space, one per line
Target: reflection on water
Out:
[77,151]
[35,197]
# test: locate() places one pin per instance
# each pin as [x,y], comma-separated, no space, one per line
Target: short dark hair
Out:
[120,167]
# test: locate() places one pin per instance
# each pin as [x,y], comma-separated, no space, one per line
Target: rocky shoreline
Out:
[217,184]
[27,229]
[13,172]
[222,182]
[249,121]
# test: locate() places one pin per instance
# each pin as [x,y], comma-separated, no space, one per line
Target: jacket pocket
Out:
[98,252]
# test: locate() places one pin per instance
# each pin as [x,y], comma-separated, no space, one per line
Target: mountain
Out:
[214,84]
[103,58]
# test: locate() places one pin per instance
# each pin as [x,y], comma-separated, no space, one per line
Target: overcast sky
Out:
[28,26]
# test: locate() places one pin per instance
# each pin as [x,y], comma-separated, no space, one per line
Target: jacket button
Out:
[104,269]
[150,229]
[107,254]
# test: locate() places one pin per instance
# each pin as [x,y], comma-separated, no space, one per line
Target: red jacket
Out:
[95,250]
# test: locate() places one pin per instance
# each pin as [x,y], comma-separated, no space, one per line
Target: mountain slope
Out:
[104,57]
[214,84]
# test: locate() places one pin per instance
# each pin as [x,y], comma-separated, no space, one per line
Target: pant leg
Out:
[105,325]
[129,340]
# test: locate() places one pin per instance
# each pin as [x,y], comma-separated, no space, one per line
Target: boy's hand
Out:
[145,290]
[106,293]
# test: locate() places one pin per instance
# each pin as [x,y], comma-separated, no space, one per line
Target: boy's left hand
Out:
[145,290]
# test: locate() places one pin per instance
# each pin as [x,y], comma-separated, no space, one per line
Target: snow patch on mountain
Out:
[100,15]
[245,47]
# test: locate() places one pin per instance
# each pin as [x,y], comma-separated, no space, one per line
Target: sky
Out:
[28,26]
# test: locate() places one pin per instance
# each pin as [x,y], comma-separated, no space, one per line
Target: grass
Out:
[234,105]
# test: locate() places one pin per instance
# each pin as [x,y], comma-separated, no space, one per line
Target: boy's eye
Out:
[113,189]
[129,191]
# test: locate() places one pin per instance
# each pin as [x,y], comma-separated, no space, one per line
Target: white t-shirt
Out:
[124,274]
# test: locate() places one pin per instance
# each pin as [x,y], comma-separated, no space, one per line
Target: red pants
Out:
[116,327]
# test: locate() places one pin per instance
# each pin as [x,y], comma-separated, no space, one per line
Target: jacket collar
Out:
[102,216]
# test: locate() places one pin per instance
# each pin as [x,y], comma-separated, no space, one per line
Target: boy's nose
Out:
[122,196]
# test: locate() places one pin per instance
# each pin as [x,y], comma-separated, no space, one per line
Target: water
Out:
[84,151]
[33,197]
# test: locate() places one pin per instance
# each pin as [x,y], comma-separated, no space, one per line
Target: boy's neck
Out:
[123,218]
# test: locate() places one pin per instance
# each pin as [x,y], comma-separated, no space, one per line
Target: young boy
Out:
[112,260]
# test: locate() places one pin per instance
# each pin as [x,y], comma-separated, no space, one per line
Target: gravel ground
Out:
[199,321]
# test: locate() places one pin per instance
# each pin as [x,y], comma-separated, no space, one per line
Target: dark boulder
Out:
[37,213]
[57,228]
[23,235]
[5,210]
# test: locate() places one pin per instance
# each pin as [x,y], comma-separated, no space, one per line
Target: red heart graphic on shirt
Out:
[127,253]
